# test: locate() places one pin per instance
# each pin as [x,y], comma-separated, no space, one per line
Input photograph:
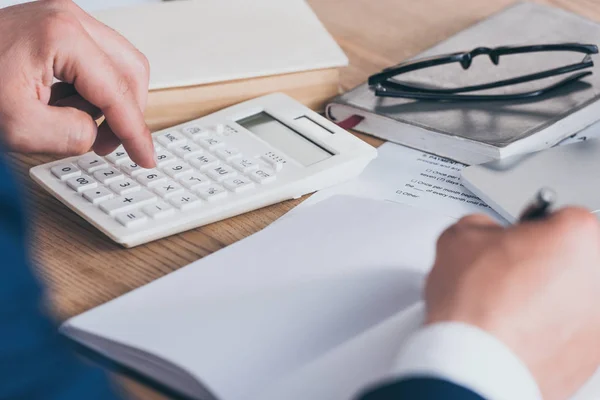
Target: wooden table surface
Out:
[83,268]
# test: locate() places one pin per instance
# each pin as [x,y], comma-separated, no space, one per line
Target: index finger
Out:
[81,62]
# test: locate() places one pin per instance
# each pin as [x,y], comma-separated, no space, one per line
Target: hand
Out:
[101,73]
[534,286]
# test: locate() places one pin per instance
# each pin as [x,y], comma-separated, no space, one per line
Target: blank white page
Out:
[195,42]
[253,314]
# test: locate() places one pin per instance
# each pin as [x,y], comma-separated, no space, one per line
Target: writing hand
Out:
[535,286]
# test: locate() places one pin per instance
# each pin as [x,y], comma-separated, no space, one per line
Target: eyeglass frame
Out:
[382,86]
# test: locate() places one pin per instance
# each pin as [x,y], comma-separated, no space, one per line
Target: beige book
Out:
[208,54]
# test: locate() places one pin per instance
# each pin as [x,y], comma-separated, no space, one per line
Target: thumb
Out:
[62,130]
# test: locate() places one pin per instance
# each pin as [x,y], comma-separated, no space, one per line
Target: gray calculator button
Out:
[227,153]
[212,192]
[131,219]
[108,175]
[171,139]
[211,142]
[159,209]
[151,178]
[175,170]
[244,164]
[81,183]
[163,157]
[203,161]
[131,168]
[221,172]
[118,156]
[128,202]
[98,195]
[91,162]
[188,150]
[239,184]
[65,171]
[125,186]
[185,201]
[263,175]
[168,189]
[194,180]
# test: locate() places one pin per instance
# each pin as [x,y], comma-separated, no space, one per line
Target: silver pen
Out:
[540,206]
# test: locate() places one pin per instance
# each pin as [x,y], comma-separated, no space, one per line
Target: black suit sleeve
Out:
[420,389]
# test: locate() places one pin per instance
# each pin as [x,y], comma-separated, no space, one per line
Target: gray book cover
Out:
[497,124]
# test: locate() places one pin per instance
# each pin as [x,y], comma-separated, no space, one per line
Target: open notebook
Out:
[316,306]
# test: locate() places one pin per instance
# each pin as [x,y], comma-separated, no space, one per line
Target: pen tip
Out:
[547,195]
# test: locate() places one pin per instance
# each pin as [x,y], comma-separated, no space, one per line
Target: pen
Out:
[540,206]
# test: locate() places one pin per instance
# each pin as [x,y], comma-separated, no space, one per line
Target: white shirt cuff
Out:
[469,357]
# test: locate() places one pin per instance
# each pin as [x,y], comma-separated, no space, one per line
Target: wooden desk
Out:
[84,269]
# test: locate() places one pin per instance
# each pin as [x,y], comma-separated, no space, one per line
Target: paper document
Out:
[312,307]
[404,175]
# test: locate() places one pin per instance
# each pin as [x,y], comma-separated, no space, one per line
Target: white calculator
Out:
[241,158]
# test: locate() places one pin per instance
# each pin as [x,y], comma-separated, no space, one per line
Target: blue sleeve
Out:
[421,389]
[35,361]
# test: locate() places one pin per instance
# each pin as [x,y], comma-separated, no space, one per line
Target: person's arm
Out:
[452,360]
[35,361]
[505,307]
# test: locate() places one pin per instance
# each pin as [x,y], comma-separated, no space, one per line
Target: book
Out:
[208,54]
[315,306]
[478,132]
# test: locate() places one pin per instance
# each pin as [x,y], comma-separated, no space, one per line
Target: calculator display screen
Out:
[293,143]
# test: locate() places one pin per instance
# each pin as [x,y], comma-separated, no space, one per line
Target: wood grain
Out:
[83,268]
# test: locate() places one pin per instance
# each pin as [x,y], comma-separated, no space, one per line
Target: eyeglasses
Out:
[386,84]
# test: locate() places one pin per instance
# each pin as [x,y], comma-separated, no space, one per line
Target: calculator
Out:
[247,156]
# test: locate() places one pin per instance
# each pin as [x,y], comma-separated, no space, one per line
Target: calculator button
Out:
[211,142]
[194,131]
[176,170]
[128,202]
[158,210]
[186,151]
[118,156]
[163,157]
[212,192]
[98,195]
[227,154]
[263,175]
[131,218]
[65,171]
[239,184]
[244,165]
[171,139]
[125,186]
[151,177]
[221,172]
[194,180]
[131,168]
[168,189]
[91,162]
[81,183]
[204,161]
[185,201]
[108,175]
